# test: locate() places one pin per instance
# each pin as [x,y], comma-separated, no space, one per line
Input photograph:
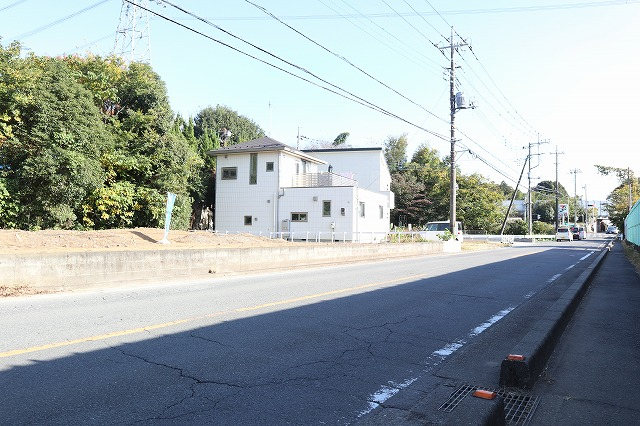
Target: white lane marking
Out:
[553,278]
[585,256]
[385,392]
[570,266]
[530,294]
[391,388]
[494,319]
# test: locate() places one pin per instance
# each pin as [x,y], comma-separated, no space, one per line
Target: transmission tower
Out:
[133,41]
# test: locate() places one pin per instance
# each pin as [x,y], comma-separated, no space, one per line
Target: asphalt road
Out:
[324,345]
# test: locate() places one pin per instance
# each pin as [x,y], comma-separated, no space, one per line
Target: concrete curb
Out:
[537,345]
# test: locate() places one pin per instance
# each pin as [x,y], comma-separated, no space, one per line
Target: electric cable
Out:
[58,21]
[354,98]
[9,6]
[341,57]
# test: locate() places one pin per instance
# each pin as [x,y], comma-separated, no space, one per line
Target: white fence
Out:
[379,237]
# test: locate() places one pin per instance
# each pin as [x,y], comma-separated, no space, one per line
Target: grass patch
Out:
[633,254]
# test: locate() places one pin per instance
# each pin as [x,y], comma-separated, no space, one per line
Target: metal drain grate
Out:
[455,398]
[518,406]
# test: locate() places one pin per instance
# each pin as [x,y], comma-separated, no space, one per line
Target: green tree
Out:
[341,139]
[479,203]
[215,119]
[395,152]
[55,160]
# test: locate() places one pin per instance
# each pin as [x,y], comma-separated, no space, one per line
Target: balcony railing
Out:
[317,180]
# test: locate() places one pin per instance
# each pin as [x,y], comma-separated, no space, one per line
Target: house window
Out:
[269,166]
[381,212]
[342,211]
[299,217]
[253,169]
[361,209]
[248,220]
[229,173]
[326,208]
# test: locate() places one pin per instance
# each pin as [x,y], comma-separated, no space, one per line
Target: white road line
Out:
[391,388]
[570,266]
[585,256]
[553,278]
[530,294]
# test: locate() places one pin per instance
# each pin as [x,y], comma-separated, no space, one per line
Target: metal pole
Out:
[452,103]
[557,201]
[529,221]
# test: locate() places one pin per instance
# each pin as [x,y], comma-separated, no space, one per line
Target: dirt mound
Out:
[15,241]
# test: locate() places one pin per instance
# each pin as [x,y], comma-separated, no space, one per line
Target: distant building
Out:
[264,186]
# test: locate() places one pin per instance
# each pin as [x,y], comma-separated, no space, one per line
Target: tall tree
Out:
[215,119]
[395,152]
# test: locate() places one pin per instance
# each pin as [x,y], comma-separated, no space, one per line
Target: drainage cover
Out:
[518,406]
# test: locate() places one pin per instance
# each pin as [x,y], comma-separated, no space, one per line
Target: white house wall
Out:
[236,199]
[369,168]
[310,200]
[372,227]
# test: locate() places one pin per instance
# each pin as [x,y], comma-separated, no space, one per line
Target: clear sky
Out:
[566,70]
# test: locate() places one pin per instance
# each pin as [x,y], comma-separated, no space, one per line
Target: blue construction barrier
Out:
[632,225]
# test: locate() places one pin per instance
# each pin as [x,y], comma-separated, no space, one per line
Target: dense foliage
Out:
[421,188]
[89,143]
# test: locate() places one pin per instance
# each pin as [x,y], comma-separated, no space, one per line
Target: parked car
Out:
[575,232]
[433,229]
[612,229]
[582,233]
[564,233]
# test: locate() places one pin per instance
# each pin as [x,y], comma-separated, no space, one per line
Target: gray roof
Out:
[264,144]
[374,148]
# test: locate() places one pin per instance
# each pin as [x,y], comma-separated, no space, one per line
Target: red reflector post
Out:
[513,357]
[484,394]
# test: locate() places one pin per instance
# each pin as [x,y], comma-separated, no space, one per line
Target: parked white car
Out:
[433,229]
[564,233]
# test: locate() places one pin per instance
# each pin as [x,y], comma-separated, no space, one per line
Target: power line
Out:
[412,26]
[9,6]
[386,31]
[58,21]
[516,9]
[341,57]
[353,99]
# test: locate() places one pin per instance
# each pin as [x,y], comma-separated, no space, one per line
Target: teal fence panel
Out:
[632,225]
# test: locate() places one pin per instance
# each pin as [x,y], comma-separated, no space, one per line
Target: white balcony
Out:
[318,180]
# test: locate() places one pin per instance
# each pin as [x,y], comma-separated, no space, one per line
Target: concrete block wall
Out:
[86,270]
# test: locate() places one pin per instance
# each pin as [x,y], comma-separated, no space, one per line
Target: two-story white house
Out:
[264,186]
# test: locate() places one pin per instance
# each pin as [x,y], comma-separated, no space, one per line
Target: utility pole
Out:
[456,103]
[630,188]
[529,201]
[575,194]
[557,192]
[586,208]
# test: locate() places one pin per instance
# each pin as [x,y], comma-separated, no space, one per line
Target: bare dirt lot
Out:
[51,241]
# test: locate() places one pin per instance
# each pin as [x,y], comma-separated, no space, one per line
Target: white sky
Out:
[568,70]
